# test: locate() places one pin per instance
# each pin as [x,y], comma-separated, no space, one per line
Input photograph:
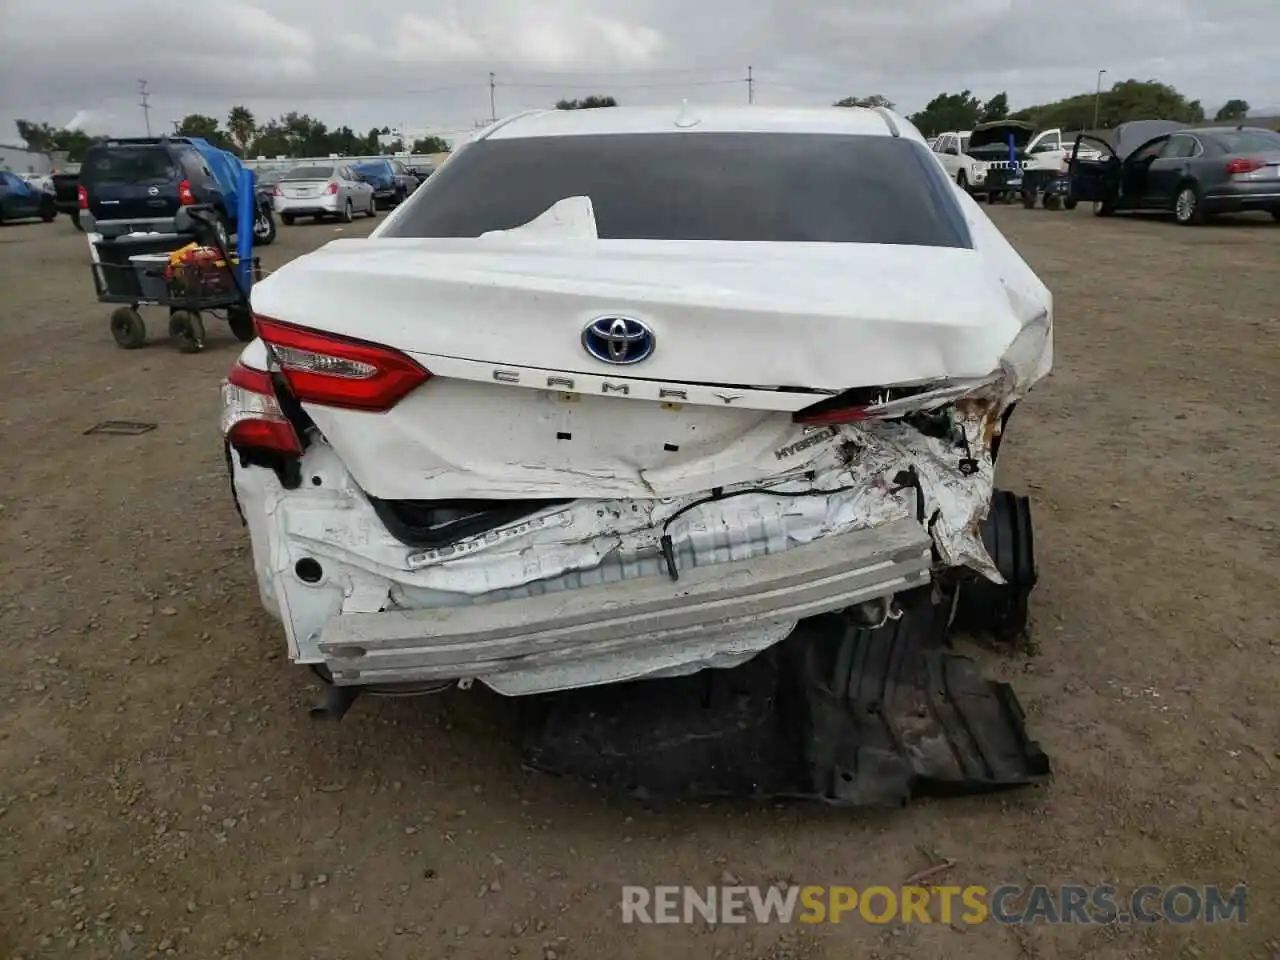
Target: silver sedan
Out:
[322,190]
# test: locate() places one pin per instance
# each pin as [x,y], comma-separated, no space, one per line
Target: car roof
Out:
[746,119]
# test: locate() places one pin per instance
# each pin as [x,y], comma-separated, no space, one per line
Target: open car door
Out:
[1094,180]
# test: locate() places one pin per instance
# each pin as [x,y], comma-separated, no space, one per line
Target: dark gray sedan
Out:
[1191,172]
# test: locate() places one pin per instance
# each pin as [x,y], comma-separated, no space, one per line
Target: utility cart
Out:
[177,271]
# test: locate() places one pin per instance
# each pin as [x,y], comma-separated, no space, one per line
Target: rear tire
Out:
[286,219]
[1070,203]
[240,320]
[1029,199]
[373,208]
[1001,610]
[187,328]
[348,214]
[127,328]
[994,197]
[1053,202]
[48,211]
[962,181]
[1103,209]
[1187,210]
[264,228]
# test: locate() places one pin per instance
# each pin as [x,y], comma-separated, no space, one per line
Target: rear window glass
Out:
[309,173]
[1248,141]
[816,188]
[129,165]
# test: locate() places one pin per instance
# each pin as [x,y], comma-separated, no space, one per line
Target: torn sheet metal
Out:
[837,479]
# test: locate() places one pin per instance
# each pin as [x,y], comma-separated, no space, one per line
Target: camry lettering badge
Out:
[618,340]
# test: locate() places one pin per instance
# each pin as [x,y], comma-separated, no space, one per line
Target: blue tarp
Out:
[226,167]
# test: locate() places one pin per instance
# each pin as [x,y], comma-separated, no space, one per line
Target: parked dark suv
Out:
[154,184]
[391,180]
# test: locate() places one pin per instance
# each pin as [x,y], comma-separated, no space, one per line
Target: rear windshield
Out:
[1248,141]
[309,173]
[129,165]
[816,188]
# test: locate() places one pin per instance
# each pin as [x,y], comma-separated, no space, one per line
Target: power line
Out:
[751,87]
[146,108]
[493,110]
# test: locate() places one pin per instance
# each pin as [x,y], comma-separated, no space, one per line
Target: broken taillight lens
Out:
[251,414]
[831,416]
[335,371]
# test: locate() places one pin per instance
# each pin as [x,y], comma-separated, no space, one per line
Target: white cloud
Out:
[431,63]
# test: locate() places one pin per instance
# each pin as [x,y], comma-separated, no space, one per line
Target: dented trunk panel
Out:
[746,333]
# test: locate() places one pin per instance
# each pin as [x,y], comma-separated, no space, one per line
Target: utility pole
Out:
[1097,101]
[751,87]
[146,108]
[493,110]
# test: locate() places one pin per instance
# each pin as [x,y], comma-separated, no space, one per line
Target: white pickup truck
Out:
[980,160]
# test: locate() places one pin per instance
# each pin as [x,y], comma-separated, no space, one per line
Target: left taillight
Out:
[82,197]
[1242,165]
[185,195]
[336,371]
[251,413]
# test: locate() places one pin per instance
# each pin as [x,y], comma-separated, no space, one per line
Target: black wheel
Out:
[127,328]
[1275,215]
[1070,203]
[221,236]
[373,208]
[1186,206]
[348,214]
[962,180]
[1103,209]
[995,196]
[1029,199]
[187,328]
[1001,610]
[240,319]
[1052,202]
[47,210]
[264,228]
[286,219]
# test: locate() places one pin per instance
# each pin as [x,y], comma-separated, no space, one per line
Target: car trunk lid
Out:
[743,335]
[302,189]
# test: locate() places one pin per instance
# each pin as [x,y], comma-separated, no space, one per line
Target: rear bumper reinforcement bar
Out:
[613,619]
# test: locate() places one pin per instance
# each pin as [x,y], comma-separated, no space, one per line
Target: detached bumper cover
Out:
[536,636]
[849,716]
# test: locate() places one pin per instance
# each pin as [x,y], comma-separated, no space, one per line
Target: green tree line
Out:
[1124,101]
[291,135]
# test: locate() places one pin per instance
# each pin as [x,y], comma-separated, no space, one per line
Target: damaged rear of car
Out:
[632,395]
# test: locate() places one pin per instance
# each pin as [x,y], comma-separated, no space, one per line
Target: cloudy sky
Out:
[428,64]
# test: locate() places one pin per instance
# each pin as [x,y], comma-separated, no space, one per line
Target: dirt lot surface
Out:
[164,792]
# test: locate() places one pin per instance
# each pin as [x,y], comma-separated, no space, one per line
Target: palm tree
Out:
[242,125]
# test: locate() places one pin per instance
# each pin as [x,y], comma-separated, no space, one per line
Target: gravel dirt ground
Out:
[163,791]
